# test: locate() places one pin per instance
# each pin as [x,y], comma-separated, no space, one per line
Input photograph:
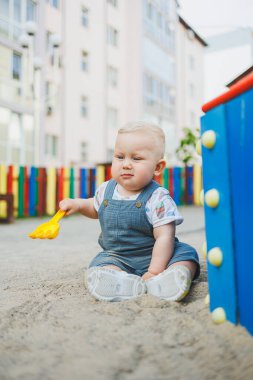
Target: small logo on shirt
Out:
[160,210]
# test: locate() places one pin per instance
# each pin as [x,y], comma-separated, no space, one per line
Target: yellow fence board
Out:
[197,184]
[3,190]
[100,174]
[51,191]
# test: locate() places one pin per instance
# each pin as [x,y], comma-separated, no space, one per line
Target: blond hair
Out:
[148,128]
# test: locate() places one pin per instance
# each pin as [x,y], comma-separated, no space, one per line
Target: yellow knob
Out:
[198,147]
[204,249]
[207,299]
[201,197]
[208,139]
[219,315]
[212,198]
[215,256]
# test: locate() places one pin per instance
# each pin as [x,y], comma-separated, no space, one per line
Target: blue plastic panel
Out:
[177,185]
[219,233]
[240,137]
[32,192]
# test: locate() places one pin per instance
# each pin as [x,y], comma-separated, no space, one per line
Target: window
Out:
[112,36]
[51,145]
[149,84]
[112,118]
[191,62]
[15,133]
[114,3]
[85,17]
[168,29]
[160,91]
[5,116]
[84,106]
[84,61]
[54,3]
[4,12]
[31,8]
[112,76]
[49,98]
[150,10]
[16,66]
[17,10]
[83,151]
[4,8]
[159,19]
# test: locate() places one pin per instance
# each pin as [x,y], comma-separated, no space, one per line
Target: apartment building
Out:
[16,110]
[190,76]
[27,72]
[119,67]
[104,63]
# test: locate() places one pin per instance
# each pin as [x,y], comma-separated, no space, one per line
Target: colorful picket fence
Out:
[37,191]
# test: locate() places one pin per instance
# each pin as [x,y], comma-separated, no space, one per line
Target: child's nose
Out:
[126,163]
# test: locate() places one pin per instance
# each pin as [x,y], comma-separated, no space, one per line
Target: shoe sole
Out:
[107,284]
[172,285]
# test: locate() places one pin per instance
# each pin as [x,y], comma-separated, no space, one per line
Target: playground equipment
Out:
[48,230]
[227,152]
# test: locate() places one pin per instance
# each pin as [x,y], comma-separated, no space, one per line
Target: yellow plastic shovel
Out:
[48,230]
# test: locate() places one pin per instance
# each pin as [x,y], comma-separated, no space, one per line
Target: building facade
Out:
[105,63]
[190,76]
[120,67]
[16,101]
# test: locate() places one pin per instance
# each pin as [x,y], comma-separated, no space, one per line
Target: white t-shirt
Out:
[160,207]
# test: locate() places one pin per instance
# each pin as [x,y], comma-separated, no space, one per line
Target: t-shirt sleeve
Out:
[99,195]
[161,209]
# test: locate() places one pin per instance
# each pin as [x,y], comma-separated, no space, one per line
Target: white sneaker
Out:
[107,284]
[173,284]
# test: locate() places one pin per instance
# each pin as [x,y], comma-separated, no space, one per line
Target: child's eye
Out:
[137,158]
[119,157]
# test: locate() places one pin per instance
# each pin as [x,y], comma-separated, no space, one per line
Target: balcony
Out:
[11,92]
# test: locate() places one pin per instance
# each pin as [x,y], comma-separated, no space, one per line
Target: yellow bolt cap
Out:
[212,198]
[208,139]
[215,256]
[219,315]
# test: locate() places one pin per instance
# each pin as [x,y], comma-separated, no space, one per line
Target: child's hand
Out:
[146,276]
[69,205]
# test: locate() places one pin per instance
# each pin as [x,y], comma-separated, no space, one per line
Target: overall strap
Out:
[148,191]
[110,189]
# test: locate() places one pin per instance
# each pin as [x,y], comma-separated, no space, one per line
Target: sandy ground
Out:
[50,328]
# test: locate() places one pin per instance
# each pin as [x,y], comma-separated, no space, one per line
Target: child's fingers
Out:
[65,205]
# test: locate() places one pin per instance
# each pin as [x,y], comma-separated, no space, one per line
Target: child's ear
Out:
[159,167]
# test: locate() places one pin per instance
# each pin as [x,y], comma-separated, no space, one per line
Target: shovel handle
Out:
[57,217]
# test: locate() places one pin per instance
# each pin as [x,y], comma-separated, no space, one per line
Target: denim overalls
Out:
[127,236]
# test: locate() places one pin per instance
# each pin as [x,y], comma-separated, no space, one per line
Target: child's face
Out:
[135,161]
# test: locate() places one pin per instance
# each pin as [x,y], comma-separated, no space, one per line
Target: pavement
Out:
[78,235]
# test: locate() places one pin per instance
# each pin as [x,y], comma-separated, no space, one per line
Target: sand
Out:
[51,328]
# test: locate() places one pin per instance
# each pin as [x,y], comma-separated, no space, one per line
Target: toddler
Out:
[140,252]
